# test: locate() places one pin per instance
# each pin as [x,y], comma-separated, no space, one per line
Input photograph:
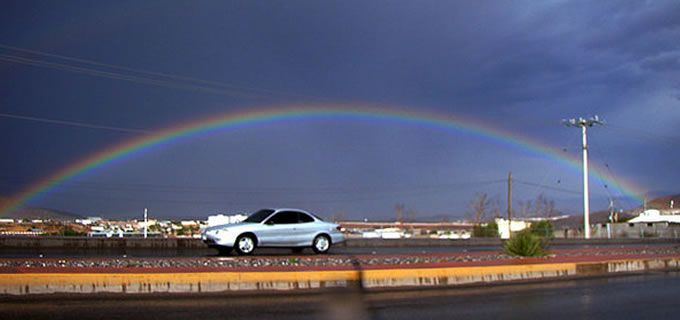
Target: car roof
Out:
[287,209]
[298,210]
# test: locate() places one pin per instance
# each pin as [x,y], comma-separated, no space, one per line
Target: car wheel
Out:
[245,244]
[321,243]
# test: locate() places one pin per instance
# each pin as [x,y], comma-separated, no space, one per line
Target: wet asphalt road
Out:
[188,253]
[652,296]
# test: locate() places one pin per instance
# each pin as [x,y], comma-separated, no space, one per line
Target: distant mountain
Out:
[653,194]
[661,203]
[40,213]
[664,202]
[576,221]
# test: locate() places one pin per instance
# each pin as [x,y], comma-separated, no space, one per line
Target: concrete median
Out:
[369,277]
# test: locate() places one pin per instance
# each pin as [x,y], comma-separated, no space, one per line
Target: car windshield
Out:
[257,217]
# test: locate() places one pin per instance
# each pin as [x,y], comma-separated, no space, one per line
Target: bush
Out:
[488,230]
[542,229]
[525,244]
[70,232]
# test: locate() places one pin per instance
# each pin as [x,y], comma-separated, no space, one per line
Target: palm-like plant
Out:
[525,244]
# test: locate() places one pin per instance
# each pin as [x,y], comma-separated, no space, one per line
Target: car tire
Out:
[321,244]
[245,244]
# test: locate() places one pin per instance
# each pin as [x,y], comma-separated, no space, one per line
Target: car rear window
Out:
[303,217]
[317,217]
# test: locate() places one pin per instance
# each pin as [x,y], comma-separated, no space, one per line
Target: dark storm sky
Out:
[520,66]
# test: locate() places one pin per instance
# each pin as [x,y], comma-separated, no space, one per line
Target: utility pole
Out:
[611,218]
[583,124]
[509,204]
[146,223]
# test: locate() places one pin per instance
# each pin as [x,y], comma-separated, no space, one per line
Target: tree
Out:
[539,207]
[479,207]
[544,207]
[399,209]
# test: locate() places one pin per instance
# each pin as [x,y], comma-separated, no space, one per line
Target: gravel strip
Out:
[311,261]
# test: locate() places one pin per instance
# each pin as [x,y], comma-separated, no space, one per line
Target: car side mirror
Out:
[269,223]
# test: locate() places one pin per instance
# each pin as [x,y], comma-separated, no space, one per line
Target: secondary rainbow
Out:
[235,120]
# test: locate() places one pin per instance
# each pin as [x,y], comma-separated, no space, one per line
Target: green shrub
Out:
[542,229]
[525,244]
[487,230]
[70,232]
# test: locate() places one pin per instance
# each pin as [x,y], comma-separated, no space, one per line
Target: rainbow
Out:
[236,120]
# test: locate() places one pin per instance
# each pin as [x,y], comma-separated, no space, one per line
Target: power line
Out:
[111,71]
[340,194]
[541,185]
[647,135]
[533,184]
[221,190]
[73,123]
[141,71]
[313,200]
[119,76]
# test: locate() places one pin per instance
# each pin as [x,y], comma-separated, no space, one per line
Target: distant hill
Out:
[39,213]
[576,221]
[659,203]
[664,202]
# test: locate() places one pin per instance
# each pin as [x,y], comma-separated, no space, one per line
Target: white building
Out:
[386,233]
[189,223]
[221,219]
[515,225]
[89,220]
[148,223]
[654,215]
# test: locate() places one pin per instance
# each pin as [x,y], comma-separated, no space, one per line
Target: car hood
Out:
[230,226]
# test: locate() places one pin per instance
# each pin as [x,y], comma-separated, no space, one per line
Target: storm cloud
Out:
[518,66]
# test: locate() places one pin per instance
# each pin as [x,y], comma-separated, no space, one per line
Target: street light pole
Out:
[586,192]
[583,124]
[509,205]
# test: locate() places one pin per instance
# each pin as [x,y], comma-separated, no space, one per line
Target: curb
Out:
[370,279]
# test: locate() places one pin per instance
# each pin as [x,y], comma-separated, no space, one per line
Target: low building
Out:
[89,221]
[220,219]
[392,229]
[189,223]
[506,227]
[651,223]
[655,216]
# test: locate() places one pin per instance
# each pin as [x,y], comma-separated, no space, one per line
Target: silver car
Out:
[287,228]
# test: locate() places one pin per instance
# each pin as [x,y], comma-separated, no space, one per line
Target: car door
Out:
[306,229]
[278,230]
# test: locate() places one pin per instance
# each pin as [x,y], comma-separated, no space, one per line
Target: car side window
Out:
[304,218]
[284,217]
